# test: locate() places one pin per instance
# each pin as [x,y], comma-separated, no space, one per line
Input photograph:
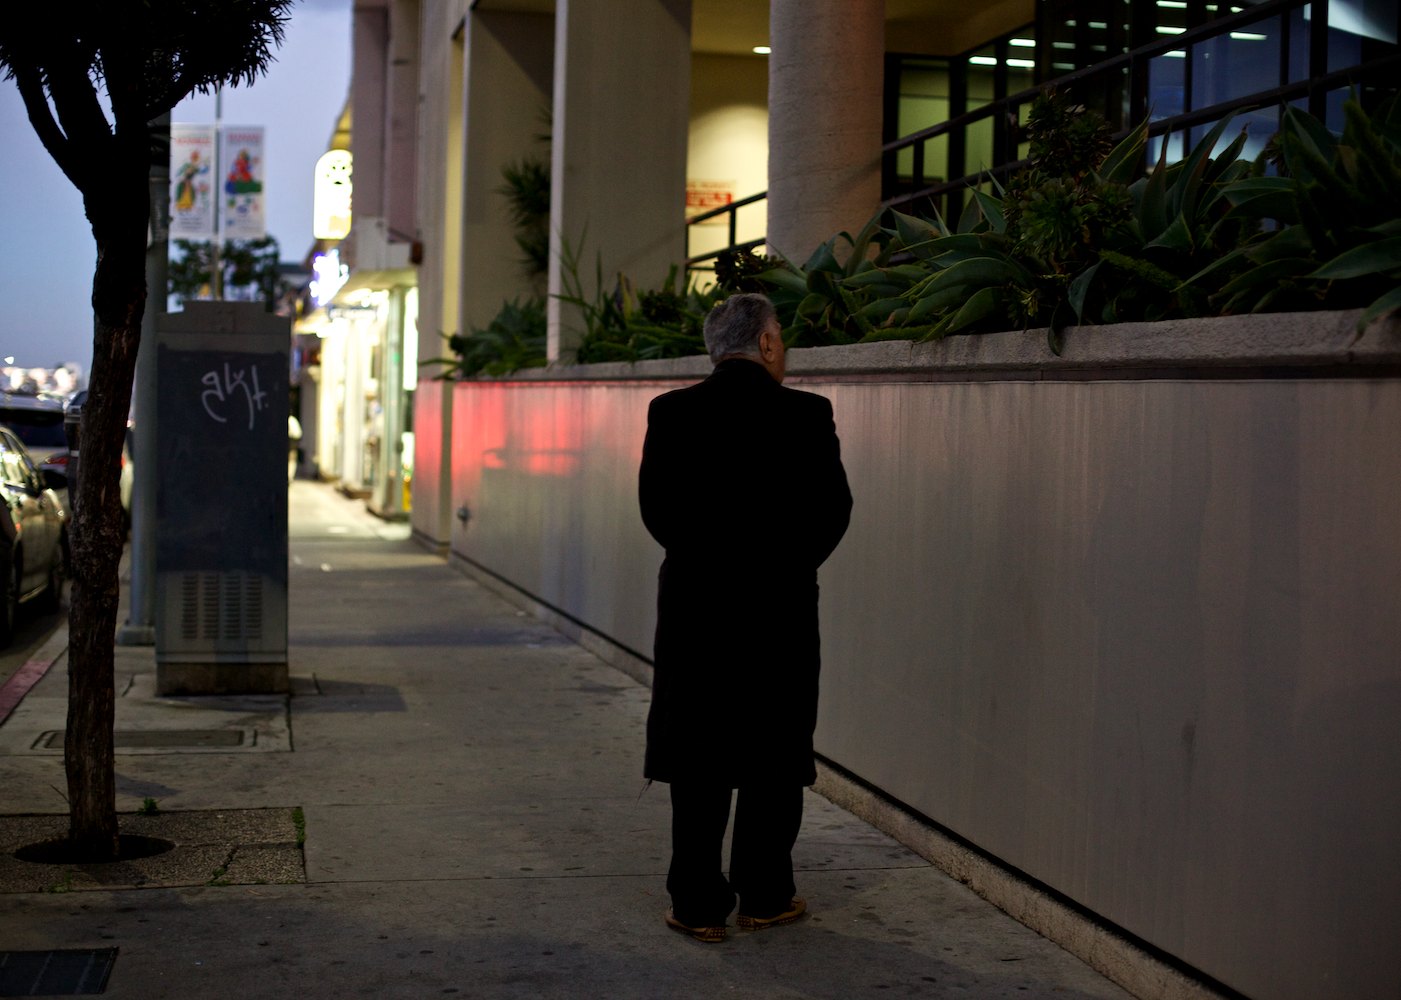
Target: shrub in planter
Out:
[1080,236]
[1337,205]
[514,339]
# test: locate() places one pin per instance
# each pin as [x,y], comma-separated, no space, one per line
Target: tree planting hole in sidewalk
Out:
[62,851]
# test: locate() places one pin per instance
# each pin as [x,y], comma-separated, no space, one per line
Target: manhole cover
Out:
[136,739]
[55,973]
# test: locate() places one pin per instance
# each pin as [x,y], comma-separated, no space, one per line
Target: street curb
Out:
[12,692]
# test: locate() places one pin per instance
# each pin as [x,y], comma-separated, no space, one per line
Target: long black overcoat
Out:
[742,483]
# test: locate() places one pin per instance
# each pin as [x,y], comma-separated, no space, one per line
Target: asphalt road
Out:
[31,633]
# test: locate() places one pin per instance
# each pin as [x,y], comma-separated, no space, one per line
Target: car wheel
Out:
[58,576]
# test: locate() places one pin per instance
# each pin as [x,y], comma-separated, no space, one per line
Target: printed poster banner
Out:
[192,182]
[241,164]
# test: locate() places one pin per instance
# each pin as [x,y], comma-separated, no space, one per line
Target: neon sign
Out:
[329,276]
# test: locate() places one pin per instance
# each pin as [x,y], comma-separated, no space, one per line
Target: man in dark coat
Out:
[742,484]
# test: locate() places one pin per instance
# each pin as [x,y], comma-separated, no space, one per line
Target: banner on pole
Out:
[192,182]
[241,164]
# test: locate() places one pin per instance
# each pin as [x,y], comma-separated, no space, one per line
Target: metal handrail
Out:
[1203,32]
[699,261]
[732,210]
[1314,87]
[1188,119]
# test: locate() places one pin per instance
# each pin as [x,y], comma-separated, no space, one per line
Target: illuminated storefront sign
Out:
[331,196]
[329,276]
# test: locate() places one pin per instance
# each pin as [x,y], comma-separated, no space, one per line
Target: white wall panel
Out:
[1138,639]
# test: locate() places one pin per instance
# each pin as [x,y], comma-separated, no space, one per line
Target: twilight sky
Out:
[47,254]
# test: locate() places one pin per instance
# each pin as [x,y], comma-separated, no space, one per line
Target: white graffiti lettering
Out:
[222,389]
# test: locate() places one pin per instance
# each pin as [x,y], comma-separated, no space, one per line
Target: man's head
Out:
[746,326]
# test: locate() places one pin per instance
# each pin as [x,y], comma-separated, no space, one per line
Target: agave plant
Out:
[1336,206]
[1085,236]
[1029,254]
[625,324]
[514,339]
[823,301]
[1182,219]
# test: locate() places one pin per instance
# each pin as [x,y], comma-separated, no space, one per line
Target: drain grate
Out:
[68,973]
[135,739]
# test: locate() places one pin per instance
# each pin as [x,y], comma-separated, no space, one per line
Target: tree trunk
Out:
[119,214]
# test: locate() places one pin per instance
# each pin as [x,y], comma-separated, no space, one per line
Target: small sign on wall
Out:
[702,196]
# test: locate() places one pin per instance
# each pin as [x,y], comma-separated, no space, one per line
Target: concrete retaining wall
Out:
[1125,619]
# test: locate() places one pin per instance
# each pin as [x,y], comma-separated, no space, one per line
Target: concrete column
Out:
[509,67]
[621,113]
[401,119]
[438,207]
[439,213]
[825,77]
[369,41]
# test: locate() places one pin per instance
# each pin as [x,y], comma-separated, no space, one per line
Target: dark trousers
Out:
[767,818]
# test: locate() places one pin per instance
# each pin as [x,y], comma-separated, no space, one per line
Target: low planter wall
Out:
[1126,619]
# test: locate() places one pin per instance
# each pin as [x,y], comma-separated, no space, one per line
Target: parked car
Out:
[38,422]
[33,534]
[128,472]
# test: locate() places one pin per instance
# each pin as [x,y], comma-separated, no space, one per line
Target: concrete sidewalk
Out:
[475,824]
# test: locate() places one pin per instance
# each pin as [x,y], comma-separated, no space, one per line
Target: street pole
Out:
[139,629]
[216,276]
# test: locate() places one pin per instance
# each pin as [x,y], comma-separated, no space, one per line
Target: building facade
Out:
[1019,738]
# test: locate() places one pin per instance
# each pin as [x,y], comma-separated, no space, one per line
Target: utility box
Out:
[221,499]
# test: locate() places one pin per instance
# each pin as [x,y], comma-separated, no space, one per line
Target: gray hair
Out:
[734,325]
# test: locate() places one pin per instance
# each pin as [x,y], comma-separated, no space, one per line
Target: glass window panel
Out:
[979,150]
[1175,147]
[1333,115]
[1167,77]
[1366,19]
[936,160]
[1298,45]
[1243,62]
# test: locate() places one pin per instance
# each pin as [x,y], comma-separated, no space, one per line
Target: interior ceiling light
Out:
[1021,63]
[1022,43]
[762,50]
[1248,36]
[1164,29]
[982,60]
